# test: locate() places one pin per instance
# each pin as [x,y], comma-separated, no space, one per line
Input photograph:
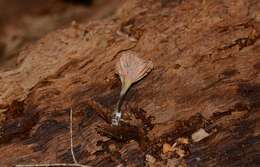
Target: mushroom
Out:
[130,69]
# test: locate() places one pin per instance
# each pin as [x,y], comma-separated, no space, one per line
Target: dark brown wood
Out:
[206,75]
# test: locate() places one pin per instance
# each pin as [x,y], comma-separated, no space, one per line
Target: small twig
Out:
[75,164]
[71,139]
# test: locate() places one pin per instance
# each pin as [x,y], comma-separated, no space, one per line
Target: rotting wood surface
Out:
[206,75]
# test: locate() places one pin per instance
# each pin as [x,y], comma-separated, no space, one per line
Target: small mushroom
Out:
[130,69]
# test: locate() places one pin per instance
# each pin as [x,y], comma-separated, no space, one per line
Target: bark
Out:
[206,75]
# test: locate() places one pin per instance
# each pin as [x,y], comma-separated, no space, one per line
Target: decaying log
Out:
[206,57]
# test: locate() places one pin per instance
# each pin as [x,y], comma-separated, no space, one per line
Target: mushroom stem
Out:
[117,114]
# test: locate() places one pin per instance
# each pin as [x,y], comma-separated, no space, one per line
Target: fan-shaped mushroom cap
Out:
[131,69]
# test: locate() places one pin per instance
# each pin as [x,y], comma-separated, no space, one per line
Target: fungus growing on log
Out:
[130,69]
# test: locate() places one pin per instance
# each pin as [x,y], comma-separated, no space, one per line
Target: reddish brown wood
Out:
[206,75]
